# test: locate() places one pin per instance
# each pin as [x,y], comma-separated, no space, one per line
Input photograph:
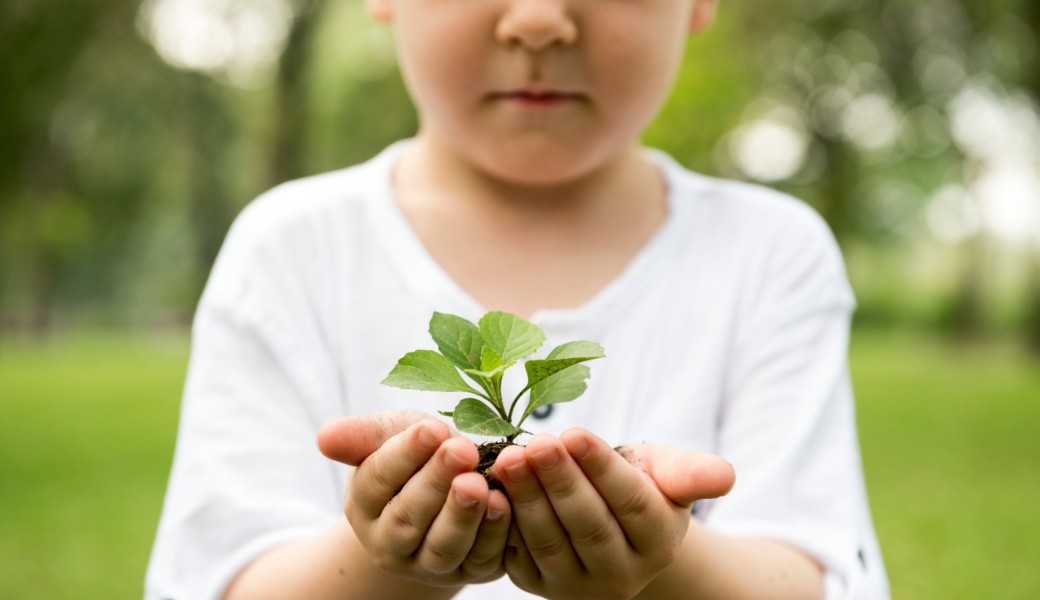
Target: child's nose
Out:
[537,24]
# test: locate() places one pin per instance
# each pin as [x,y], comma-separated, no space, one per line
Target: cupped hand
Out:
[683,477]
[591,524]
[415,503]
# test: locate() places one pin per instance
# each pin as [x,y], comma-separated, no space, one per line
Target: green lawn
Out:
[86,436]
[951,447]
[951,441]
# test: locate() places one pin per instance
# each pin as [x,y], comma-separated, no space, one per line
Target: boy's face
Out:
[539,91]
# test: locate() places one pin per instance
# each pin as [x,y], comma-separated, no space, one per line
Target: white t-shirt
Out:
[727,333]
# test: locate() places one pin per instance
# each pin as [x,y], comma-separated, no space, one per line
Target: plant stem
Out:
[489,394]
[496,391]
[513,404]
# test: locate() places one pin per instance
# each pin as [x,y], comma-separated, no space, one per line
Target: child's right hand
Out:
[415,503]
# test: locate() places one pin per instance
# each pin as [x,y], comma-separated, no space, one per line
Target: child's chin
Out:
[537,171]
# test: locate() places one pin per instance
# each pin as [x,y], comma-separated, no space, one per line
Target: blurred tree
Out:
[288,143]
[100,129]
[38,197]
[718,76]
[871,96]
[19,23]
[356,102]
[119,172]
[209,127]
[1031,322]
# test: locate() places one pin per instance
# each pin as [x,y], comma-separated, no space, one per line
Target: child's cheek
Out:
[636,57]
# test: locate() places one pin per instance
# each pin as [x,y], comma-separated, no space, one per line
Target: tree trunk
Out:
[46,176]
[209,207]
[836,206]
[967,314]
[290,96]
[1031,321]
[966,320]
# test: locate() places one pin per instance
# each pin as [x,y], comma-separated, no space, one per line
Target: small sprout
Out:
[483,353]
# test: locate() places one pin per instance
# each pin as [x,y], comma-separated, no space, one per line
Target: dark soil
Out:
[488,453]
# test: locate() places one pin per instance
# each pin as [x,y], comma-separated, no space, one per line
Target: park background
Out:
[132,132]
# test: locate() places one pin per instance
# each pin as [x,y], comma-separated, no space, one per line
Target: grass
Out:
[951,444]
[86,436]
[949,434]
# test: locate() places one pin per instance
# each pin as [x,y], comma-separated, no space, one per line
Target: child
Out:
[723,307]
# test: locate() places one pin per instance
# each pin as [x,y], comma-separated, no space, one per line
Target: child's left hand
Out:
[596,523]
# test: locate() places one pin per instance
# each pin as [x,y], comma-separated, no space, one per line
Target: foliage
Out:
[122,169]
[484,352]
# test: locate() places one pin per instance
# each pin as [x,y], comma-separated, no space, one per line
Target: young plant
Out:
[483,353]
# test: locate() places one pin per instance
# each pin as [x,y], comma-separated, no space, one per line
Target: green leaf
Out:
[563,386]
[580,349]
[491,381]
[511,337]
[457,339]
[489,375]
[429,371]
[473,416]
[560,358]
[489,359]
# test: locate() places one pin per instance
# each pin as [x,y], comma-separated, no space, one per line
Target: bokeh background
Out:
[132,132]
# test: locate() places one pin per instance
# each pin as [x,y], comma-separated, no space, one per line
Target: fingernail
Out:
[455,461]
[545,458]
[494,515]
[427,438]
[516,471]
[580,449]
[465,501]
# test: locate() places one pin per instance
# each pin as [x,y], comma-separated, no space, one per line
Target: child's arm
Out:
[421,522]
[594,526]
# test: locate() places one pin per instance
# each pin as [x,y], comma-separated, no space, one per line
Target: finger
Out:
[543,535]
[405,522]
[684,477]
[592,529]
[449,538]
[640,509]
[386,471]
[519,564]
[351,440]
[485,558]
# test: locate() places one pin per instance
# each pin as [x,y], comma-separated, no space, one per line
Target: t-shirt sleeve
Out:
[787,423]
[246,474]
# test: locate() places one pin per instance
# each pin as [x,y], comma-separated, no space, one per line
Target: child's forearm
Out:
[712,565]
[332,565]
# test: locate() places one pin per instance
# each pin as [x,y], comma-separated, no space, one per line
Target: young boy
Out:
[723,307]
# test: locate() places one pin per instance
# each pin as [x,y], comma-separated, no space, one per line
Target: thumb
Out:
[351,440]
[684,477]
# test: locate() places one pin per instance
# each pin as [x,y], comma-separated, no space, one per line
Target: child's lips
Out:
[537,98]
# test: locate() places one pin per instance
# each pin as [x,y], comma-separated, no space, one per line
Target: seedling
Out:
[483,353]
